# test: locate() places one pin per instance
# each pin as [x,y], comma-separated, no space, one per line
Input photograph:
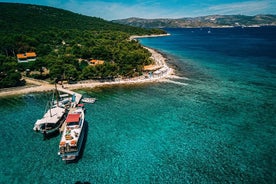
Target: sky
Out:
[120,9]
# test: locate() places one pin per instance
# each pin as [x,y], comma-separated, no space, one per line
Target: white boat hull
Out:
[89,100]
[70,156]
[51,121]
[72,137]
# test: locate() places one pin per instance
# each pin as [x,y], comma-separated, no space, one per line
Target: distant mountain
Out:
[204,21]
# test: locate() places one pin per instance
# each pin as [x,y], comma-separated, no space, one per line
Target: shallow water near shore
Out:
[219,128]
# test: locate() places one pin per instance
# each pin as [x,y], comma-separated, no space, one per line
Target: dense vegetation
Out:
[64,42]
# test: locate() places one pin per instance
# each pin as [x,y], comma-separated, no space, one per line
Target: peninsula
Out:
[57,45]
[160,73]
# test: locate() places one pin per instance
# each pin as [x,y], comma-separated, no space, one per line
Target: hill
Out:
[15,17]
[204,21]
[64,43]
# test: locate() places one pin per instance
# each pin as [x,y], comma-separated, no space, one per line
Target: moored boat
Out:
[72,136]
[89,100]
[52,120]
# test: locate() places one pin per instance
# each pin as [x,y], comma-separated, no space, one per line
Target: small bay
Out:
[219,128]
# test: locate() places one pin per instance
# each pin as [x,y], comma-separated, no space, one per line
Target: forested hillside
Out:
[63,42]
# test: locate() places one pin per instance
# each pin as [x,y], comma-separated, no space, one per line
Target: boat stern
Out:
[37,126]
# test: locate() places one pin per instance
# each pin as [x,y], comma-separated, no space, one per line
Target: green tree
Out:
[70,72]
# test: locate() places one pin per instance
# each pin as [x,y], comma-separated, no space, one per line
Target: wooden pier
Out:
[77,95]
[74,104]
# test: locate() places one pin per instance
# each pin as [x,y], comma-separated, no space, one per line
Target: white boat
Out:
[73,135]
[52,120]
[89,100]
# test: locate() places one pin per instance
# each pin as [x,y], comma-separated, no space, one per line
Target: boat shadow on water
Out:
[50,136]
[86,128]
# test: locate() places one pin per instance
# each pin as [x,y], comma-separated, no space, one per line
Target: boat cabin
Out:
[73,120]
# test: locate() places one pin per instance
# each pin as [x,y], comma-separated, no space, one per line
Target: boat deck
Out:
[78,96]
[73,107]
[71,110]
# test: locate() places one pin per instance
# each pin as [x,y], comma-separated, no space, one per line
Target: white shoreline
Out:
[134,37]
[161,74]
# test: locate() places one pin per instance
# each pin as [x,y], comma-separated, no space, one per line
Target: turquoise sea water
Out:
[220,128]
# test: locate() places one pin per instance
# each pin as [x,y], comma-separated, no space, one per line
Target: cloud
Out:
[114,10]
[246,8]
[111,9]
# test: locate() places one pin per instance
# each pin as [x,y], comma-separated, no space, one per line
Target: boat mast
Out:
[56,93]
[51,104]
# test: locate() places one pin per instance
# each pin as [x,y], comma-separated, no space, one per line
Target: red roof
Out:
[72,118]
[80,105]
[22,56]
[31,54]
[26,55]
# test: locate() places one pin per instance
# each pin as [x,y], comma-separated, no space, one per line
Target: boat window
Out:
[72,123]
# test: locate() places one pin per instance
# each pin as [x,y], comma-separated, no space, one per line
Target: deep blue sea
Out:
[219,128]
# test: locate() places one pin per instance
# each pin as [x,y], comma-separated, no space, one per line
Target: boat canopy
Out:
[52,116]
[73,118]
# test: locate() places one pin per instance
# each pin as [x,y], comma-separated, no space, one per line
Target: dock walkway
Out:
[76,102]
[77,95]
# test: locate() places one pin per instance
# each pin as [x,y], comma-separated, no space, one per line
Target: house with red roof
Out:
[96,62]
[26,57]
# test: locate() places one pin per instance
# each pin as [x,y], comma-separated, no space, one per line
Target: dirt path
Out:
[42,86]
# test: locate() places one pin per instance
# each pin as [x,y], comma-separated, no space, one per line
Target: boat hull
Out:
[54,130]
[89,100]
[72,137]
[51,121]
[71,156]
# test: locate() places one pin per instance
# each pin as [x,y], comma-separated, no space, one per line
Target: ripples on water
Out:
[219,128]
